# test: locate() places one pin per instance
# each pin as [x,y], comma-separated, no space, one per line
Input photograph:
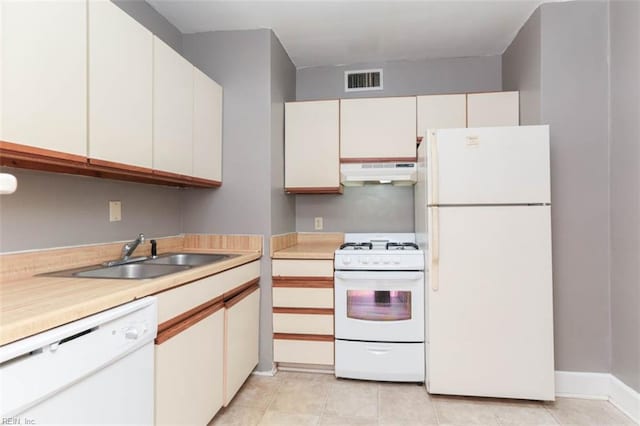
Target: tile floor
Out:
[301,399]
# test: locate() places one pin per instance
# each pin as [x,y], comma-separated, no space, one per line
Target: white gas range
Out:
[379,308]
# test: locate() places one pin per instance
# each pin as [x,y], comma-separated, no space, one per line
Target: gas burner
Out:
[401,246]
[357,246]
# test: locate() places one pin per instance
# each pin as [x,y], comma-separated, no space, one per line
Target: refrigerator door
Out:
[490,326]
[491,165]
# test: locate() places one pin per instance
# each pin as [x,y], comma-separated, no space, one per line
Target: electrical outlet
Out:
[115,211]
[317,224]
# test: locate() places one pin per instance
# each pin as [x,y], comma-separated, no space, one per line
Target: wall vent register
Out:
[361,80]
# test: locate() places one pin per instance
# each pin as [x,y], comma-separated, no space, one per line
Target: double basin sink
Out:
[146,267]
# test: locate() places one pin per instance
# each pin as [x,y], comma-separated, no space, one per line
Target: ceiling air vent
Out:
[360,80]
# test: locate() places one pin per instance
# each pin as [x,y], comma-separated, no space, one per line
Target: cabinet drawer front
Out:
[188,374]
[303,352]
[303,297]
[242,324]
[174,302]
[302,268]
[303,323]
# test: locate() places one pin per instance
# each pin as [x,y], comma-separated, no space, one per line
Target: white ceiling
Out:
[346,32]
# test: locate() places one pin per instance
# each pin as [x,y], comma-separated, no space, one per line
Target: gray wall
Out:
[55,210]
[625,191]
[371,208]
[521,68]
[257,77]
[146,15]
[574,103]
[283,89]
[405,78]
[568,44]
[385,208]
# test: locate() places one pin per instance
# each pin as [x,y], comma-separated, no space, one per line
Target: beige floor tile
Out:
[258,392]
[523,413]
[464,411]
[287,376]
[301,397]
[570,411]
[351,398]
[277,418]
[345,421]
[236,415]
[405,404]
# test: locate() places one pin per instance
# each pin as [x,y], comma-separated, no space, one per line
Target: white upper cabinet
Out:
[378,129]
[44,74]
[172,110]
[493,109]
[441,112]
[312,146]
[207,127]
[120,87]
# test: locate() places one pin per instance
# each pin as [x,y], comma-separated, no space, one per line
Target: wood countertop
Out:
[307,251]
[34,304]
[305,245]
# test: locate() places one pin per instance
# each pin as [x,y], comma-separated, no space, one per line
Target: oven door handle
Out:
[350,276]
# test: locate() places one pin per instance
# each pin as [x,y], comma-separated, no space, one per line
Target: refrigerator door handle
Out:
[435,248]
[433,145]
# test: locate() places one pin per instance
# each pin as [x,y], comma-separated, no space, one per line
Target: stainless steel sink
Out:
[131,271]
[143,268]
[189,259]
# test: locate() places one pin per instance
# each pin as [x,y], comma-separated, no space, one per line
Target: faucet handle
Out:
[141,238]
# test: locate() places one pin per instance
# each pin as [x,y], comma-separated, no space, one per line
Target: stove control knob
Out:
[365,260]
[396,260]
[346,260]
[386,260]
[376,260]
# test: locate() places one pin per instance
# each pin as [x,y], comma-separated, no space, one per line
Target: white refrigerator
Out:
[483,209]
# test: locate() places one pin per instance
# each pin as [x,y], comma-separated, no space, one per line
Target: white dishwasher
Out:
[98,369]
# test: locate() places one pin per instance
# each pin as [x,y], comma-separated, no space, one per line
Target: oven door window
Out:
[379,305]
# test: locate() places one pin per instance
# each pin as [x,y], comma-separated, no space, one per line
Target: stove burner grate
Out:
[401,246]
[357,246]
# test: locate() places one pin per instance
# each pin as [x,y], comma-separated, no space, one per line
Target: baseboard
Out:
[599,386]
[625,399]
[271,373]
[583,385]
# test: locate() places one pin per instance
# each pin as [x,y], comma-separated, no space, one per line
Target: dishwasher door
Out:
[98,369]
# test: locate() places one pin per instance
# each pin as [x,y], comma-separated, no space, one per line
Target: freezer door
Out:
[491,165]
[490,312]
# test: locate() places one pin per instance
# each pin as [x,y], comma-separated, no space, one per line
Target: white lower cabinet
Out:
[189,369]
[207,344]
[242,322]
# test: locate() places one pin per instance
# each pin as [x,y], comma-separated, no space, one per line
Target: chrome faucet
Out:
[128,248]
[127,251]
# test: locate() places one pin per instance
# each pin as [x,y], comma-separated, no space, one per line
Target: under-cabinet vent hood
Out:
[356,174]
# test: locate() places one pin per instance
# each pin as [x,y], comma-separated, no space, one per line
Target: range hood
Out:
[357,174]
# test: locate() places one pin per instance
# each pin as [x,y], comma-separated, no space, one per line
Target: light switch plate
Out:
[317,223]
[115,211]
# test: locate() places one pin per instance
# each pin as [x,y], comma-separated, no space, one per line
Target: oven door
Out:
[381,306]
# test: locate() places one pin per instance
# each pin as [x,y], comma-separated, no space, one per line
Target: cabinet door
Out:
[441,112]
[44,74]
[120,87]
[242,322]
[172,110]
[378,129]
[493,109]
[207,127]
[189,371]
[312,146]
